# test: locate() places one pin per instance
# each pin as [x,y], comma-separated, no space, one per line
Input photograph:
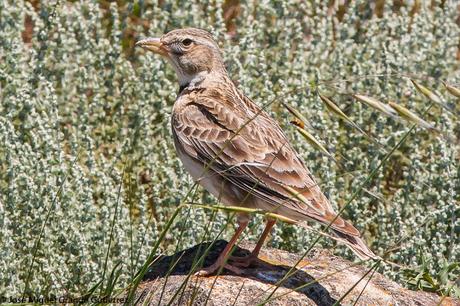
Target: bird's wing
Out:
[243,143]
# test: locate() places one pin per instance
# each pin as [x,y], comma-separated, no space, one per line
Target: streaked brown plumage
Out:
[236,150]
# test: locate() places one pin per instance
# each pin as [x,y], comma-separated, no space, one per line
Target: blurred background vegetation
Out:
[88,172]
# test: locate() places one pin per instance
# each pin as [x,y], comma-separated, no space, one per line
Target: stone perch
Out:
[255,285]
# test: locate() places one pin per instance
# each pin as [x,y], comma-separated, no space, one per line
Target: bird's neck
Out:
[192,80]
[201,79]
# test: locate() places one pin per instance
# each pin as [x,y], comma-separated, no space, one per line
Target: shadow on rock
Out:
[262,271]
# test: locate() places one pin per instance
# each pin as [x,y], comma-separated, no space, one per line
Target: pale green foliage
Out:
[81,127]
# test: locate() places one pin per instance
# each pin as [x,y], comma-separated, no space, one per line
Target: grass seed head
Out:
[410,116]
[436,98]
[374,103]
[452,90]
[313,141]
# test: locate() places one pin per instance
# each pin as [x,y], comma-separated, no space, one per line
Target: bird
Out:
[237,151]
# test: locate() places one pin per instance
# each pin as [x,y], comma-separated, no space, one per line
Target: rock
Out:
[316,279]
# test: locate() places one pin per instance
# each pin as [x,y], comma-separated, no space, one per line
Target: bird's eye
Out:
[187,42]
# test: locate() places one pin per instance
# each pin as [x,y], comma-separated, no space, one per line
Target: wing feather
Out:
[249,148]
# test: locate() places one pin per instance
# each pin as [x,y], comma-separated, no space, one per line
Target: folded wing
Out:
[242,143]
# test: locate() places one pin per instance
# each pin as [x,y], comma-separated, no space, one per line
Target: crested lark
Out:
[235,150]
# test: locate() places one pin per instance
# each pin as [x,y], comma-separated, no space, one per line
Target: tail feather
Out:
[355,243]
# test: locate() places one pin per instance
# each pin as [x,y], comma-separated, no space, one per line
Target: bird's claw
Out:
[214,268]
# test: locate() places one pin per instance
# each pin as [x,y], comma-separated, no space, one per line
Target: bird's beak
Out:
[154,45]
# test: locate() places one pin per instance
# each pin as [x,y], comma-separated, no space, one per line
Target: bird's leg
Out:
[243,221]
[247,260]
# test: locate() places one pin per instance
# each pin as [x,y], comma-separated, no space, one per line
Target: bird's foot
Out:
[214,268]
[243,261]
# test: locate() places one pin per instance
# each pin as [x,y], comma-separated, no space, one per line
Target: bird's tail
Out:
[355,243]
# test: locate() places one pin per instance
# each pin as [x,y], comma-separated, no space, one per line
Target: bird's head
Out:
[193,53]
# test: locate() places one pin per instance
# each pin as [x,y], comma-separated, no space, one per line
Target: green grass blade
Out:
[355,284]
[91,291]
[113,278]
[144,268]
[197,259]
[112,227]
[238,294]
[42,228]
[244,210]
[367,283]
[194,267]
[168,273]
